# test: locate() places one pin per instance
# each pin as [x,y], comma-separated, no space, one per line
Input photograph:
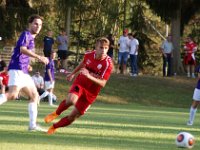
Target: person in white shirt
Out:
[39,82]
[134,44]
[123,53]
[167,52]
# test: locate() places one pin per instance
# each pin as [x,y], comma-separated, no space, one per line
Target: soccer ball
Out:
[185,140]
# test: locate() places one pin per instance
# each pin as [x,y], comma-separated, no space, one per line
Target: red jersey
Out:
[5,78]
[190,46]
[98,68]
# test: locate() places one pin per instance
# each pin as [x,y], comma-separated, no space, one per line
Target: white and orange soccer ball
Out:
[185,140]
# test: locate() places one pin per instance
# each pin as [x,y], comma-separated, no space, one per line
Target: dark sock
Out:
[62,123]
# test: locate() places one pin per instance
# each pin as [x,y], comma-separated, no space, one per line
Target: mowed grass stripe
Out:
[104,126]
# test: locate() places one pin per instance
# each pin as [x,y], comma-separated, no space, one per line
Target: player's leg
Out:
[49,87]
[65,104]
[119,62]
[193,70]
[14,86]
[187,67]
[44,94]
[11,95]
[50,96]
[81,106]
[16,81]
[193,108]
[169,73]
[59,59]
[125,60]
[31,91]
[65,121]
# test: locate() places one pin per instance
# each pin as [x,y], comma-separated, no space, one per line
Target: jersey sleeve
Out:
[23,40]
[85,57]
[48,66]
[108,69]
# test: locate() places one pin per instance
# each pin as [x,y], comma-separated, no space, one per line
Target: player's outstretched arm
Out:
[71,75]
[25,51]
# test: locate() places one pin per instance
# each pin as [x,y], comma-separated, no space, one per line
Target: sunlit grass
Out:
[104,127]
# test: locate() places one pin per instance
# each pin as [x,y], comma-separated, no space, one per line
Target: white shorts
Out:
[196,95]
[20,79]
[49,85]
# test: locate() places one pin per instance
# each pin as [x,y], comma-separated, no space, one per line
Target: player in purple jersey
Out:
[196,100]
[49,79]
[19,79]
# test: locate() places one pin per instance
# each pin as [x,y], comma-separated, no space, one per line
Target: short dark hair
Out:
[34,16]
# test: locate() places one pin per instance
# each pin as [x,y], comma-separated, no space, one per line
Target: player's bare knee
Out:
[12,96]
[71,118]
[34,96]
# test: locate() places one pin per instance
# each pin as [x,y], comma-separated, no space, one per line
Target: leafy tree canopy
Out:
[168,9]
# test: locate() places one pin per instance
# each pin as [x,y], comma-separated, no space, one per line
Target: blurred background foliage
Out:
[87,20]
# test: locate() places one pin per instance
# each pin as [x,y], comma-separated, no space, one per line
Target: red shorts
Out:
[188,60]
[85,98]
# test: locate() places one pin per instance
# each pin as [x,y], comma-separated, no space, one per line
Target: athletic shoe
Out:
[189,123]
[193,76]
[51,130]
[50,117]
[134,75]
[37,128]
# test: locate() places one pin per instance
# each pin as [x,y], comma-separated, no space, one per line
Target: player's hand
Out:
[44,60]
[84,72]
[30,68]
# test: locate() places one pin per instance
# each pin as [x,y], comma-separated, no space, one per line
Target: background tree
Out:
[178,13]
[13,17]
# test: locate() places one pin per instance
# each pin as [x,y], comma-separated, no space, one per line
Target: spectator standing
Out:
[48,43]
[167,53]
[123,53]
[190,48]
[134,45]
[62,41]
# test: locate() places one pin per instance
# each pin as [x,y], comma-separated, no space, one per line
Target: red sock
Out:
[62,107]
[62,123]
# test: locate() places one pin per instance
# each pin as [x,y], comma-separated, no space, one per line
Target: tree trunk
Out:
[175,31]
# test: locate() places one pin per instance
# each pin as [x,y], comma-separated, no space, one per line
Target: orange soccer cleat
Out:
[50,117]
[51,130]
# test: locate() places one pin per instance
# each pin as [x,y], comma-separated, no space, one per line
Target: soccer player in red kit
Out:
[190,48]
[94,72]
